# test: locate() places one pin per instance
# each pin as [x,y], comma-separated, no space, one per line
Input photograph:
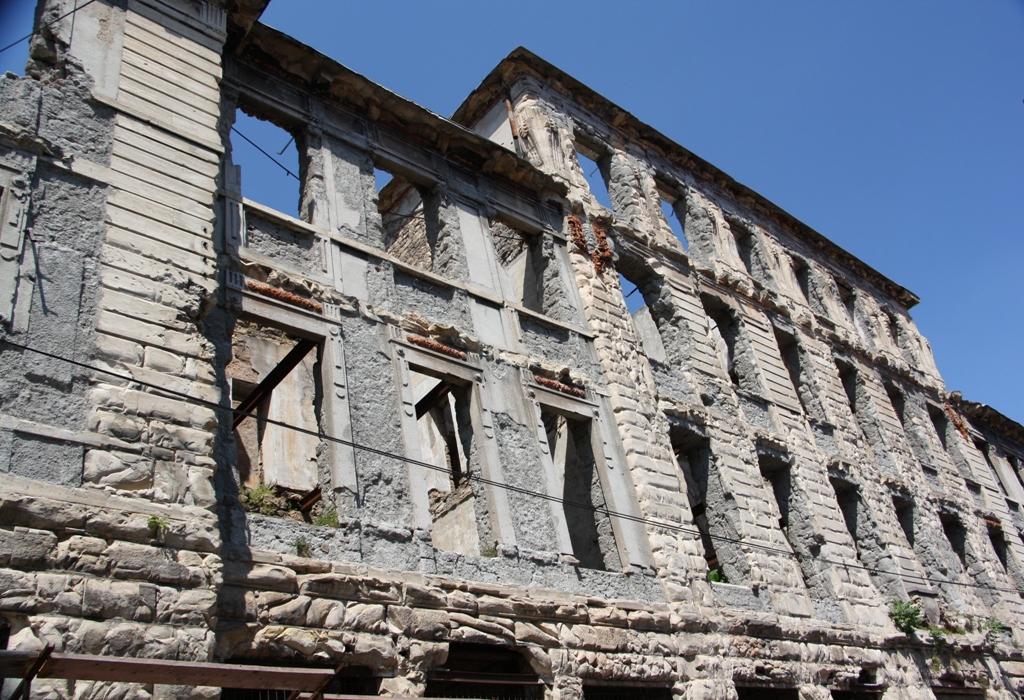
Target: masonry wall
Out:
[462,444]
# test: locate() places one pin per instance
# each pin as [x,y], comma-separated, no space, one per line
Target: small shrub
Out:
[260,499]
[993,630]
[717,576]
[907,616]
[302,547]
[489,550]
[328,518]
[158,525]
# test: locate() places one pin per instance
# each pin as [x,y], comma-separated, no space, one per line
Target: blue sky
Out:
[894,129]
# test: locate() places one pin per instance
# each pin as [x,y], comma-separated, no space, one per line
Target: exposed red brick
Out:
[602,257]
[560,386]
[436,346]
[576,233]
[286,297]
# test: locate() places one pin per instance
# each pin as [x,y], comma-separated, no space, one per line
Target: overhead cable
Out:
[496,484]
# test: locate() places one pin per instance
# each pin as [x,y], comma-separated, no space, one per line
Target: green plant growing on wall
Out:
[302,547]
[259,499]
[158,525]
[992,629]
[328,518]
[489,550]
[907,616]
[717,576]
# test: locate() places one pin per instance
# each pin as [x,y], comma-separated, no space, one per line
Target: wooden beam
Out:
[128,670]
[263,389]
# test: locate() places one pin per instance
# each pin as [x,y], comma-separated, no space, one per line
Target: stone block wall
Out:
[457,447]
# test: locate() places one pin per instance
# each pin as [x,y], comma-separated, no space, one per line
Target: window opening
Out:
[905,515]
[277,377]
[898,401]
[404,220]
[269,163]
[849,299]
[983,448]
[744,246]
[533,269]
[940,422]
[797,368]
[710,507]
[998,540]
[445,433]
[631,294]
[848,378]
[956,535]
[615,692]
[480,671]
[766,693]
[589,164]
[893,326]
[776,472]
[668,210]
[723,330]
[802,273]
[590,528]
[848,497]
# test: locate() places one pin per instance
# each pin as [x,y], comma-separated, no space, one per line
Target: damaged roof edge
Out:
[989,417]
[287,57]
[522,60]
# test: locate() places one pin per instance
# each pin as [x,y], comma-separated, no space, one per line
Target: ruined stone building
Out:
[458,465]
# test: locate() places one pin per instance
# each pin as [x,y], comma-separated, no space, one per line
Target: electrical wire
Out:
[48,24]
[254,145]
[497,484]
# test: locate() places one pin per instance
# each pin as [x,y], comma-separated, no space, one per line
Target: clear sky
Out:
[894,129]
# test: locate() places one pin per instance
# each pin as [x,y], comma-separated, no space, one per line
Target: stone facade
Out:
[458,450]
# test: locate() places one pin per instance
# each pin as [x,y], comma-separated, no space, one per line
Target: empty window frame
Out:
[268,160]
[533,269]
[849,299]
[404,219]
[482,671]
[445,436]
[590,163]
[941,424]
[571,444]
[670,214]
[749,251]
[631,692]
[713,509]
[848,376]
[898,401]
[905,516]
[798,366]
[956,535]
[776,473]
[998,540]
[276,377]
[802,276]
[849,499]
[725,334]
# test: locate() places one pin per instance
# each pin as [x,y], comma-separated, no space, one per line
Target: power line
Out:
[254,145]
[490,482]
[49,24]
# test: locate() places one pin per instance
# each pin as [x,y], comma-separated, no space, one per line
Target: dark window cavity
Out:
[668,211]
[898,401]
[941,424]
[848,498]
[802,273]
[905,515]
[956,535]
[798,367]
[995,536]
[776,472]
[570,442]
